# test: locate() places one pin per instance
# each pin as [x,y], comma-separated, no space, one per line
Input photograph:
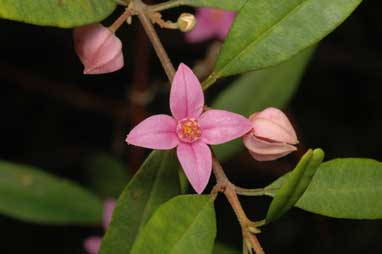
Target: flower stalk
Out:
[121,19]
[141,9]
[223,184]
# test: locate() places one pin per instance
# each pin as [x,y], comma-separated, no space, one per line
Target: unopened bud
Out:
[98,48]
[272,135]
[186,22]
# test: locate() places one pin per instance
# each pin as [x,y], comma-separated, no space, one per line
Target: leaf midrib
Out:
[261,36]
[189,226]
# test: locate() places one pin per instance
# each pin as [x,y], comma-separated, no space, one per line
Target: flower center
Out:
[188,130]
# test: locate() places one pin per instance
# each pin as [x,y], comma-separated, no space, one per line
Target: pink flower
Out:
[99,50]
[93,243]
[272,135]
[190,130]
[211,23]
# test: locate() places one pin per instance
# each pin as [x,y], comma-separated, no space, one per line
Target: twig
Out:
[222,182]
[128,13]
[224,185]
[166,5]
[249,192]
[141,9]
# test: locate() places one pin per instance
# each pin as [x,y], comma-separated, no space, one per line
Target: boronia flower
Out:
[93,243]
[272,135]
[211,23]
[99,50]
[189,130]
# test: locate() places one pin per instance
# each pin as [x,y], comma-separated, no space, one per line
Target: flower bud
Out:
[99,50]
[272,135]
[186,22]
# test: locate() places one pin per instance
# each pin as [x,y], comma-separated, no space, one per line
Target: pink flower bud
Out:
[272,135]
[99,50]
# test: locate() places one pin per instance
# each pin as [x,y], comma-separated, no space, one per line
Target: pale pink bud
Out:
[272,135]
[99,50]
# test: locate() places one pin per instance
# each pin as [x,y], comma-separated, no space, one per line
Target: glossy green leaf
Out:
[29,194]
[343,188]
[255,91]
[267,32]
[108,176]
[185,224]
[295,185]
[221,4]
[156,182]
[59,13]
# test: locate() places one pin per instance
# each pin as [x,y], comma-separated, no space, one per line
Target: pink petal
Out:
[155,132]
[92,244]
[263,150]
[113,65]
[219,126]
[108,208]
[266,157]
[225,24]
[280,119]
[98,48]
[186,96]
[270,130]
[196,161]
[211,23]
[204,29]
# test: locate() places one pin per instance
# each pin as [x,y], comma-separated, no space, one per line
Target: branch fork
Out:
[249,228]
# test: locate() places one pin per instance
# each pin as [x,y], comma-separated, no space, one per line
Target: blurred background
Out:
[55,118]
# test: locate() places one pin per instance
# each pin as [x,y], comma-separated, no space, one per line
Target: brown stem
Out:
[225,186]
[153,36]
[127,13]
[166,5]
[222,182]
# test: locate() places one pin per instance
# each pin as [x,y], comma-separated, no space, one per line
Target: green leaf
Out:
[185,224]
[346,188]
[156,182]
[220,4]
[29,194]
[255,91]
[295,185]
[108,176]
[221,248]
[59,13]
[267,32]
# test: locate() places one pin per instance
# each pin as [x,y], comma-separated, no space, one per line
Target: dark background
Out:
[54,117]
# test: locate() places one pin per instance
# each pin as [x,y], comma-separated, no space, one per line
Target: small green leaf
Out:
[185,224]
[267,32]
[29,194]
[108,176]
[346,188]
[220,4]
[255,91]
[59,13]
[296,184]
[156,182]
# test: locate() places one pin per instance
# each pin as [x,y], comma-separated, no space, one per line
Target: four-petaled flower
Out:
[211,23]
[93,243]
[189,129]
